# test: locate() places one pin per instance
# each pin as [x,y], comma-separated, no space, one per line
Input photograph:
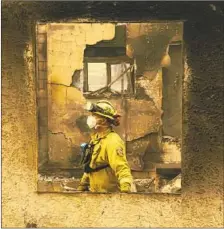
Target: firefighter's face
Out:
[95,121]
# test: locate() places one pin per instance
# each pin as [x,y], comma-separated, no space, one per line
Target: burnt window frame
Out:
[109,61]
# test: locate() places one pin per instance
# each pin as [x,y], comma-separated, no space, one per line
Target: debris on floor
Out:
[173,186]
[145,185]
[57,184]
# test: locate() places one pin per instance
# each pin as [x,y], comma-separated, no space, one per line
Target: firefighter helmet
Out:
[103,108]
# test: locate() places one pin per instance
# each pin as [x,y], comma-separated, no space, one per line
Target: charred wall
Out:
[65,46]
[201,202]
[61,88]
[172,94]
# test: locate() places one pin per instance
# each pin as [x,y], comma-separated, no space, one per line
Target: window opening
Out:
[135,66]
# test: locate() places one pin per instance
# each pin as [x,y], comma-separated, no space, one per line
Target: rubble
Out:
[145,185]
[173,186]
[57,184]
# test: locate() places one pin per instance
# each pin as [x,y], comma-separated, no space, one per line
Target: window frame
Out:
[108,61]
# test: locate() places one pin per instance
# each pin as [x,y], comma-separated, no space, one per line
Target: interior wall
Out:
[172,94]
[201,201]
[141,113]
[65,47]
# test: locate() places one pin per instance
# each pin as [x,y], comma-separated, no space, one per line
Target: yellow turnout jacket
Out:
[108,149]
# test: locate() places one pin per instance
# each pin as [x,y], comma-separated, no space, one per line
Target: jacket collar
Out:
[103,134]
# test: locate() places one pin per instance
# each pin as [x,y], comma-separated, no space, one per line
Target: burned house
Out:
[125,63]
[170,101]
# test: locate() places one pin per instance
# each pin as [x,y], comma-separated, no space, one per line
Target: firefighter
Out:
[107,169]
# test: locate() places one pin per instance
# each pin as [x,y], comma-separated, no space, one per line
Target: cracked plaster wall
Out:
[66,43]
[65,49]
[201,201]
[147,42]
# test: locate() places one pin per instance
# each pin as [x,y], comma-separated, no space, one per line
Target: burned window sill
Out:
[107,95]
